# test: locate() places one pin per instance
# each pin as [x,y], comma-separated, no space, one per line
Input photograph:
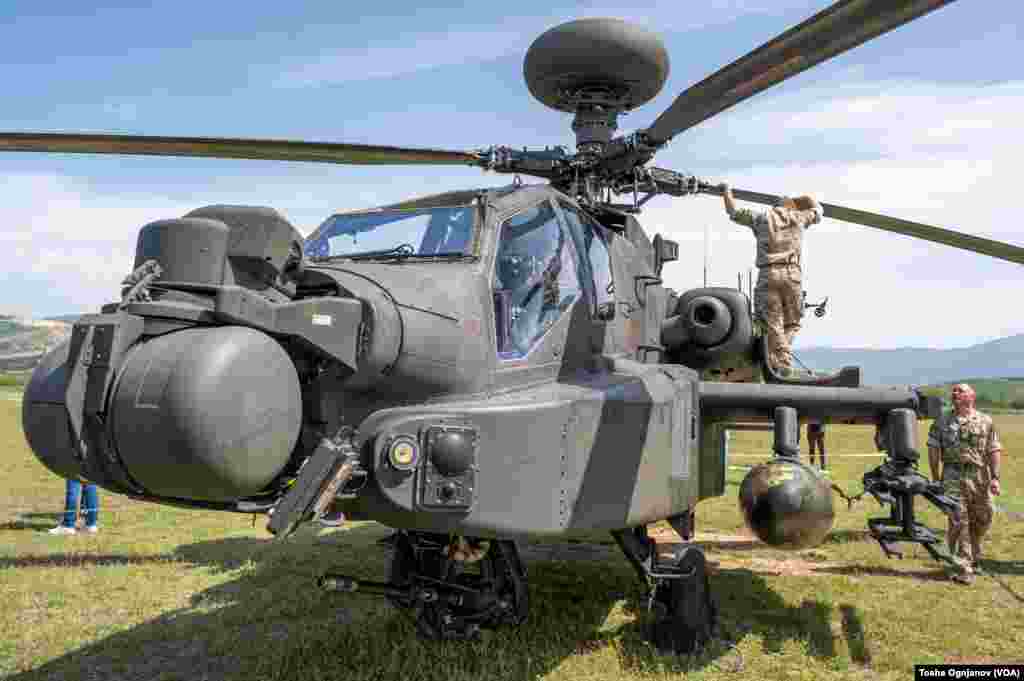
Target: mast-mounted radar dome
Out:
[596,69]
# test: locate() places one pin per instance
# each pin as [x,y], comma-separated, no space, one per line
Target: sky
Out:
[922,123]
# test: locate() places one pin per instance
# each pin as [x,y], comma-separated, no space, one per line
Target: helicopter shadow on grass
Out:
[997,570]
[936,574]
[741,540]
[32,521]
[268,604]
[1003,567]
[267,620]
[747,605]
[847,537]
[79,560]
[993,569]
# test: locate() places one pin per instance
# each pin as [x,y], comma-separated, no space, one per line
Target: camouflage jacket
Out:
[965,439]
[779,232]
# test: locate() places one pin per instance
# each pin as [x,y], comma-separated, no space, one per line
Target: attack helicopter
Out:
[479,366]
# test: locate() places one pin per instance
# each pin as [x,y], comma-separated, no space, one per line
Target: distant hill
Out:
[23,341]
[923,366]
[993,393]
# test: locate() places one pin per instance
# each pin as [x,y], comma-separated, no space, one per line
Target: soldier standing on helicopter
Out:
[777,297]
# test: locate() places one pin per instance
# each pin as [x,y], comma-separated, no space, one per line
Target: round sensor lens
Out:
[403,454]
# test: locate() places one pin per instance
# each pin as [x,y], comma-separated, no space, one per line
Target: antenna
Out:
[707,251]
[750,288]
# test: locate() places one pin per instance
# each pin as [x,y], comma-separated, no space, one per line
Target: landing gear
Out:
[681,606]
[682,613]
[452,588]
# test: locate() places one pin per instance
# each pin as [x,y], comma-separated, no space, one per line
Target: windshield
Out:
[422,232]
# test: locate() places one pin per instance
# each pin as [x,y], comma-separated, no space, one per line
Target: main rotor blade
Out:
[834,30]
[221,147]
[967,242]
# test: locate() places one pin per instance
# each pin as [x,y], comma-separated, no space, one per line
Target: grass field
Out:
[13,381]
[164,593]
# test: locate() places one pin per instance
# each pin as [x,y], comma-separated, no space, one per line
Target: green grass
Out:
[10,380]
[165,593]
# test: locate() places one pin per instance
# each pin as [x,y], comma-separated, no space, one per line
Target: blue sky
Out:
[922,123]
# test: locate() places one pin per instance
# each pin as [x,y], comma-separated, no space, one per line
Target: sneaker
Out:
[963,578]
[63,529]
[92,529]
[332,519]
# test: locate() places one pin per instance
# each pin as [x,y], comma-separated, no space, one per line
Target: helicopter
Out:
[480,366]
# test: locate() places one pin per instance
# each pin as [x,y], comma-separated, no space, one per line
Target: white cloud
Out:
[54,232]
[79,241]
[863,120]
[82,242]
[946,155]
[941,155]
[464,44]
[884,290]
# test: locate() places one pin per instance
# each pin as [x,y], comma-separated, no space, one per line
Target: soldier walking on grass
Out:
[816,440]
[964,442]
[778,300]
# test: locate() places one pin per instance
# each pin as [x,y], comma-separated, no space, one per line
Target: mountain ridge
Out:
[998,358]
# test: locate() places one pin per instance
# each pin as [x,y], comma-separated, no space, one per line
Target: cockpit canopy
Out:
[417,232]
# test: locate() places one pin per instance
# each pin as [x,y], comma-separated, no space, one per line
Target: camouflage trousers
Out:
[970,522]
[778,306]
[816,442]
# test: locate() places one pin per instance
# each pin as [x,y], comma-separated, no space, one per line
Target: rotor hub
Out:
[594,128]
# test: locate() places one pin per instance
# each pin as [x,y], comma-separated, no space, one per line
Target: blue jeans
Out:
[90,503]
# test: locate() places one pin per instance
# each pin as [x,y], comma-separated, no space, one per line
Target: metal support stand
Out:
[896,482]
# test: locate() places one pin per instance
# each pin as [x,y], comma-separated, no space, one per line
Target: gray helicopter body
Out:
[574,434]
[623,431]
[226,377]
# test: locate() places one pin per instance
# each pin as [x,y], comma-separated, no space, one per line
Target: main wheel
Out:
[682,611]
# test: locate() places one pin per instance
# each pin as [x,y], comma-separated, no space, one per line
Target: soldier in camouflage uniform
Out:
[778,300]
[816,441]
[965,443]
